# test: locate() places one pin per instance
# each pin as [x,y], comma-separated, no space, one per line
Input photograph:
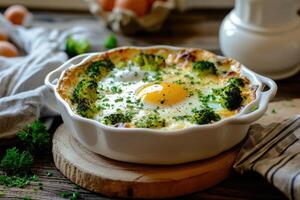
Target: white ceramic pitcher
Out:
[264,35]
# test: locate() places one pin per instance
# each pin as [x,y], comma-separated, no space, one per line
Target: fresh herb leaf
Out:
[35,137]
[15,181]
[49,174]
[63,194]
[74,196]
[15,162]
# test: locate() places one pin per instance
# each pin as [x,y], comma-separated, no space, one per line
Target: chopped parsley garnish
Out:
[63,194]
[118,117]
[120,99]
[116,90]
[152,120]
[49,174]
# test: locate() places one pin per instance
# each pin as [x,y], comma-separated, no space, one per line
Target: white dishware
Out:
[151,146]
[264,35]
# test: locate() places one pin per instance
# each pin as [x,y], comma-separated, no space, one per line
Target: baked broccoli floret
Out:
[205,116]
[236,81]
[76,47]
[153,120]
[111,42]
[149,62]
[85,89]
[204,68]
[99,68]
[85,95]
[230,97]
[116,118]
[86,108]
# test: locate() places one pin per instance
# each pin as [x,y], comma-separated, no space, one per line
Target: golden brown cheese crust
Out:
[183,56]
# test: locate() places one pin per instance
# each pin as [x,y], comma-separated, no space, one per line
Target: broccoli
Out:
[85,95]
[116,118]
[204,68]
[99,68]
[205,116]
[230,97]
[85,89]
[149,62]
[110,42]
[153,120]
[239,82]
[35,137]
[15,162]
[86,108]
[76,47]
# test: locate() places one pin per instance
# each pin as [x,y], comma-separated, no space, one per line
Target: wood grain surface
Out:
[198,28]
[120,179]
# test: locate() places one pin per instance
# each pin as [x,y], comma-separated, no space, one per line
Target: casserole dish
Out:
[155,146]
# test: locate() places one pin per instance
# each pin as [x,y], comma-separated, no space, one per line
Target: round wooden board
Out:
[120,179]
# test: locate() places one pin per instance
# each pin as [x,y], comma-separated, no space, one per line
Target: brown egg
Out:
[3,35]
[150,2]
[7,49]
[140,7]
[107,5]
[16,14]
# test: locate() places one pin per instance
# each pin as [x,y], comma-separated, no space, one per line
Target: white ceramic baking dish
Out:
[149,146]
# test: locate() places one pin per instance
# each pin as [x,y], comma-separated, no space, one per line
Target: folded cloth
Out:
[274,152]
[23,95]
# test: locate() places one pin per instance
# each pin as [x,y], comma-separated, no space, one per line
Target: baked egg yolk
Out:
[162,94]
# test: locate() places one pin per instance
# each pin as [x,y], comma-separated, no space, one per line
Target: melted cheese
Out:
[173,92]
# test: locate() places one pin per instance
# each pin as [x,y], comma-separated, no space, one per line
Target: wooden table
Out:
[197,28]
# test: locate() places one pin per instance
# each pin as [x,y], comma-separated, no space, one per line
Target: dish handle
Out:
[255,112]
[54,75]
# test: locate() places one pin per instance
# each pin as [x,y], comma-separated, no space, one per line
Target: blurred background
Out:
[80,5]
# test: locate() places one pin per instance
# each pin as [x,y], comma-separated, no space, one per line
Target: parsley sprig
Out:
[16,163]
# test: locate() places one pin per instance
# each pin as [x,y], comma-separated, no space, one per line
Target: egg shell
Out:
[107,5]
[8,50]
[140,7]
[16,14]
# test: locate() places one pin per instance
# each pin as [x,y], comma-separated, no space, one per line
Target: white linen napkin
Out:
[274,152]
[23,95]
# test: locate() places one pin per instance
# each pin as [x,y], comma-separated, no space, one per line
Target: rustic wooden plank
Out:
[119,179]
[197,28]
